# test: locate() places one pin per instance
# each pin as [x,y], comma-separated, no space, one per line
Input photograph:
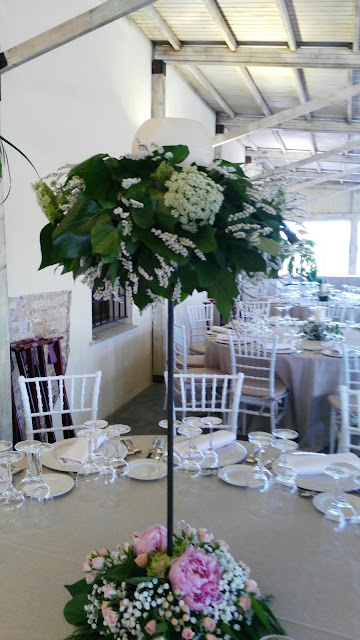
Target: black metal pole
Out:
[170,414]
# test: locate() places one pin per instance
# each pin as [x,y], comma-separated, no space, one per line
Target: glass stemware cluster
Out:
[192,460]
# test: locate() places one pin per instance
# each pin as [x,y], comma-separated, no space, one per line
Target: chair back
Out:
[200,319]
[208,394]
[180,349]
[335,311]
[47,397]
[350,419]
[255,357]
[352,367]
[248,311]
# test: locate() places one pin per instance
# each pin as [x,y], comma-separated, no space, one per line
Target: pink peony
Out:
[152,540]
[150,627]
[245,602]
[110,616]
[142,560]
[109,591]
[187,633]
[252,586]
[209,624]
[197,575]
[98,562]
[204,536]
[90,577]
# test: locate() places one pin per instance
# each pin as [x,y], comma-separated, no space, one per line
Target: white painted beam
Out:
[301,90]
[287,114]
[319,157]
[221,23]
[209,87]
[349,110]
[304,58]
[325,177]
[356,26]
[248,142]
[164,27]
[67,31]
[290,35]
[334,194]
[317,125]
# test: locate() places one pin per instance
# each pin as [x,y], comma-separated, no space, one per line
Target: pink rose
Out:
[204,536]
[104,605]
[209,624]
[209,636]
[142,560]
[223,545]
[190,532]
[187,633]
[90,577]
[252,586]
[110,616]
[86,566]
[109,591]
[150,627]
[127,546]
[103,552]
[197,575]
[152,540]
[245,602]
[98,562]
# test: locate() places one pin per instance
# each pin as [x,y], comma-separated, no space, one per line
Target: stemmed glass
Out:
[25,447]
[260,479]
[11,500]
[283,440]
[192,458]
[340,508]
[340,517]
[5,445]
[117,461]
[210,463]
[285,475]
[90,476]
[95,426]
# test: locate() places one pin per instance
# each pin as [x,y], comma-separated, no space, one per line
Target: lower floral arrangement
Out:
[199,593]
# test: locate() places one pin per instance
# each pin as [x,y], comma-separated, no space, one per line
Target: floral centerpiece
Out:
[154,227]
[320,330]
[138,591]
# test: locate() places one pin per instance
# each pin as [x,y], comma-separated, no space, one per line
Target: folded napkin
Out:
[306,465]
[76,451]
[220,329]
[222,337]
[220,439]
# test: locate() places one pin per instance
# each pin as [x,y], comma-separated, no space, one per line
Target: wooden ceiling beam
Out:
[272,122]
[304,58]
[285,17]
[221,23]
[356,26]
[318,157]
[199,76]
[70,30]
[349,110]
[316,125]
[325,177]
[164,27]
[334,193]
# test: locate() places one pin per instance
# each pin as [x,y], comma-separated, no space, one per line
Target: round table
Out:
[310,376]
[316,595]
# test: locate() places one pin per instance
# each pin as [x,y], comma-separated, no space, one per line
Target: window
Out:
[108,311]
[332,244]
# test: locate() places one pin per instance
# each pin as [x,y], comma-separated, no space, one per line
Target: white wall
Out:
[86,97]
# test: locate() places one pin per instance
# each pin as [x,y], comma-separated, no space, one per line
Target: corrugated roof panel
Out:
[254,20]
[323,20]
[320,82]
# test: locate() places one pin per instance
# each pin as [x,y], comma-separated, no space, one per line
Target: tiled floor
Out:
[143,412]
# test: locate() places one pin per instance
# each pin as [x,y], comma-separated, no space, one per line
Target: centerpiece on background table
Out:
[161,230]
[138,591]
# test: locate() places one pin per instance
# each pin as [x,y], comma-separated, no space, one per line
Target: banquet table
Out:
[310,376]
[316,594]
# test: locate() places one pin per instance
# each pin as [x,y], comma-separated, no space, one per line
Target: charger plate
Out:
[51,458]
[236,474]
[323,500]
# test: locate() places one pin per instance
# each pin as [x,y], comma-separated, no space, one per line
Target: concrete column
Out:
[219,128]
[353,248]
[158,89]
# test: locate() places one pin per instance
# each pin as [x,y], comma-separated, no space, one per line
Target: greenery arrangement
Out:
[320,330]
[303,262]
[138,591]
[152,226]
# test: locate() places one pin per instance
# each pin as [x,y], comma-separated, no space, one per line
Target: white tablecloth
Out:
[316,595]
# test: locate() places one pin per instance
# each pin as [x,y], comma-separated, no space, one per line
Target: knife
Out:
[159,449]
[153,448]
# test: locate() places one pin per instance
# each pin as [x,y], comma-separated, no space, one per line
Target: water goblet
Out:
[90,476]
[25,447]
[117,461]
[210,464]
[262,440]
[260,479]
[339,507]
[40,505]
[192,458]
[11,500]
[96,426]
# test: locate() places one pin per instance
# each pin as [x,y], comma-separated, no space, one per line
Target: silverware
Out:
[153,448]
[159,449]
[131,444]
[306,493]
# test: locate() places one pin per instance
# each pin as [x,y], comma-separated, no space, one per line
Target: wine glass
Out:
[40,505]
[210,464]
[39,449]
[117,461]
[11,500]
[262,440]
[260,479]
[25,447]
[339,508]
[192,458]
[90,476]
[96,426]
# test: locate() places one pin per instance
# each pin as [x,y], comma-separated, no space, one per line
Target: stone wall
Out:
[44,315]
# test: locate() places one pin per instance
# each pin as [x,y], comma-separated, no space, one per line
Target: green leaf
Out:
[208,271]
[180,152]
[269,246]
[105,239]
[74,610]
[79,587]
[257,606]
[72,237]
[224,290]
[205,239]
[49,255]
[144,218]
[99,183]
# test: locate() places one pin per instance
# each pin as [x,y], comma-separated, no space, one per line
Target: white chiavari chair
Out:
[201,318]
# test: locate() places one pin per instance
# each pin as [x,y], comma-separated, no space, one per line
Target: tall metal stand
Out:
[170,414]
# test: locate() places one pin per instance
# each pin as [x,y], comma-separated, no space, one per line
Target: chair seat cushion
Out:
[192,361]
[260,389]
[198,348]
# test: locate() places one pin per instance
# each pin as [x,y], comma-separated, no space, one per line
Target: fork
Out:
[159,449]
[132,448]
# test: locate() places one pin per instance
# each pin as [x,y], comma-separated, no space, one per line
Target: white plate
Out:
[51,459]
[322,482]
[328,352]
[58,483]
[222,337]
[236,474]
[147,469]
[164,424]
[231,454]
[323,500]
